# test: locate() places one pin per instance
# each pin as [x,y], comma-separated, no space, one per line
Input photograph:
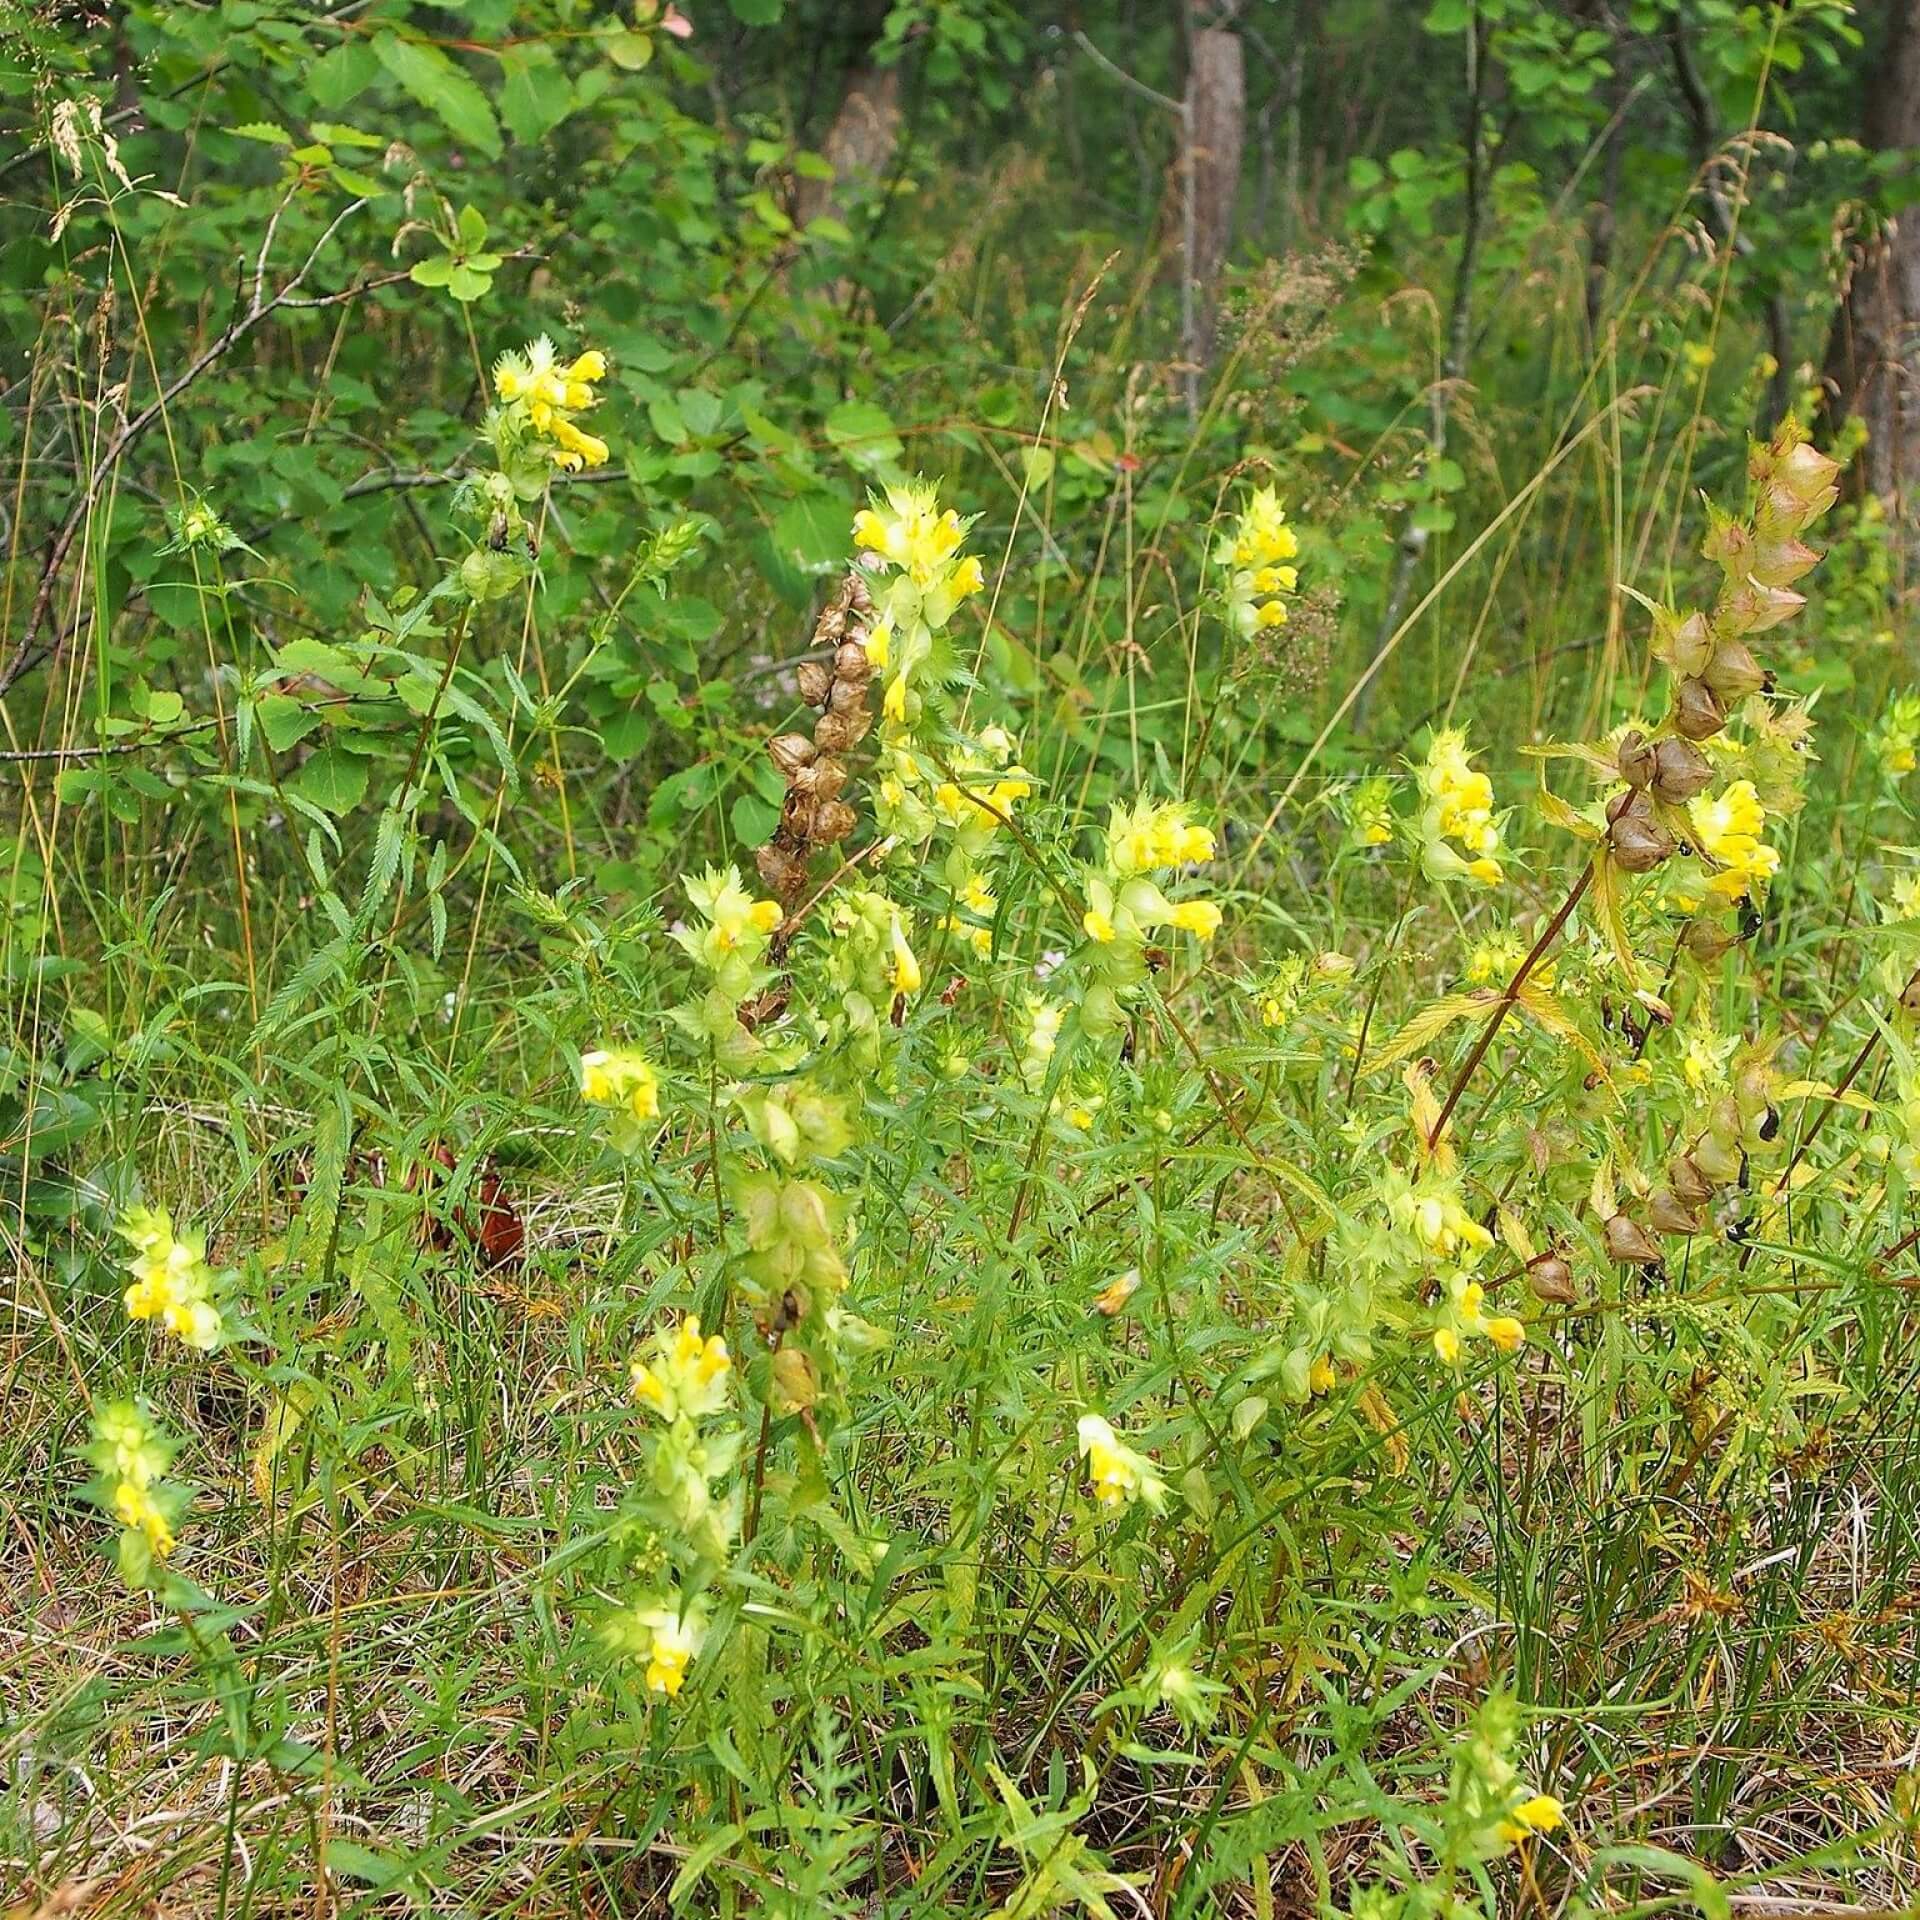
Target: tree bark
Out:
[859,145]
[1213,120]
[1873,354]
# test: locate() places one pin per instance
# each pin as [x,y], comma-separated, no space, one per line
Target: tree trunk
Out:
[1214,124]
[859,145]
[1873,355]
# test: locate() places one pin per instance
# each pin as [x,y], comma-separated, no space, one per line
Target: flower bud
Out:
[1551,1279]
[791,751]
[1733,673]
[1680,770]
[1627,1243]
[1668,1214]
[1697,711]
[1638,844]
[1635,758]
[816,682]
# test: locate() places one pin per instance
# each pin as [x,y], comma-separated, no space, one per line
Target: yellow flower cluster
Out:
[132,1459]
[621,1078]
[1370,813]
[1456,805]
[1727,831]
[172,1282]
[919,539]
[552,395]
[1152,834]
[1463,1315]
[1119,1474]
[1255,556]
[687,1374]
[671,1640]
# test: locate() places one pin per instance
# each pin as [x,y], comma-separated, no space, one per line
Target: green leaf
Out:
[264,131]
[467,284]
[814,534]
[434,271]
[629,50]
[333,779]
[865,436]
[753,820]
[536,96]
[442,88]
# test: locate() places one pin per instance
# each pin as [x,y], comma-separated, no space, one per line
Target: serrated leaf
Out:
[443,88]
[1429,1024]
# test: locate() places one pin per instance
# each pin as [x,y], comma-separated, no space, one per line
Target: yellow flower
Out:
[1270,613]
[1321,1376]
[623,1078]
[551,395]
[1199,917]
[966,578]
[1539,1813]
[906,969]
[919,537]
[1120,1476]
[1506,1332]
[673,1640]
[687,1375]
[1727,830]
[1446,1343]
[135,1506]
[1098,925]
[171,1280]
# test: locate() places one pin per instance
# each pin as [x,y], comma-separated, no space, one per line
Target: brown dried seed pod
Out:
[1687,642]
[791,752]
[832,820]
[783,868]
[1680,770]
[1551,1279]
[1697,712]
[1638,844]
[1689,1184]
[1733,672]
[1628,1243]
[828,777]
[1635,758]
[841,732]
[847,696]
[797,815]
[850,662]
[1707,939]
[1666,1213]
[816,682]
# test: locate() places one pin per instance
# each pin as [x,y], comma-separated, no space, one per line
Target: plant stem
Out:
[1508,998]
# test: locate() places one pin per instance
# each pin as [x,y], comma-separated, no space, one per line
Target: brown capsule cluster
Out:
[814,815]
[1737,1123]
[1761,557]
